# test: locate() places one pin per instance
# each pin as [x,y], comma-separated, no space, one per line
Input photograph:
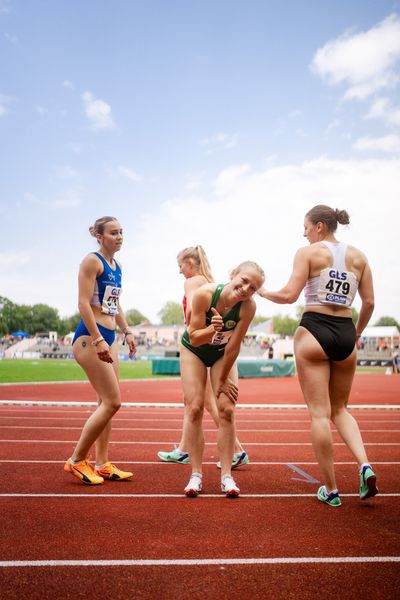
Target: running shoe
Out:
[175,456]
[368,487]
[332,499]
[229,487]
[239,458]
[111,472]
[195,485]
[83,471]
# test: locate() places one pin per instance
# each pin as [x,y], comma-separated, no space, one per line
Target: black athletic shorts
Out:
[336,335]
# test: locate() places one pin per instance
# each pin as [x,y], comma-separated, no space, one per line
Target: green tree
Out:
[285,325]
[7,316]
[259,319]
[135,317]
[171,314]
[354,314]
[68,324]
[32,319]
[387,321]
[41,318]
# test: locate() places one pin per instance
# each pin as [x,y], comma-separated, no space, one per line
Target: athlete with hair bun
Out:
[95,349]
[331,273]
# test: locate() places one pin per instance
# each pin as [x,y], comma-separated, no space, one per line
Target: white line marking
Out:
[198,561]
[179,405]
[60,416]
[156,443]
[158,462]
[166,429]
[182,495]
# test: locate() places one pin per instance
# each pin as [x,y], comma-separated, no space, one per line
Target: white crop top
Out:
[334,285]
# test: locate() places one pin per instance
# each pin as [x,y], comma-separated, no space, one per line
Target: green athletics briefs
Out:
[211,352]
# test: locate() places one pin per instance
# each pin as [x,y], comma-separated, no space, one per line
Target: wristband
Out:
[97,341]
[125,334]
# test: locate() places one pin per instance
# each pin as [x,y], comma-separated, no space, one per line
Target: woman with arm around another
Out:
[221,315]
[331,273]
[194,266]
[95,349]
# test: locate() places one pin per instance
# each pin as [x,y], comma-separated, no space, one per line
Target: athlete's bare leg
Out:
[193,379]
[313,368]
[104,380]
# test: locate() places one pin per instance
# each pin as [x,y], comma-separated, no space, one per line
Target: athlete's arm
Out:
[124,327]
[247,312]
[191,285]
[199,333]
[366,291]
[90,269]
[297,280]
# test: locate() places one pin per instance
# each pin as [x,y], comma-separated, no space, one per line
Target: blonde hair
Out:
[249,264]
[98,227]
[199,257]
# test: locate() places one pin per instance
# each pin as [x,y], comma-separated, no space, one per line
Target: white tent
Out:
[381,336]
[388,331]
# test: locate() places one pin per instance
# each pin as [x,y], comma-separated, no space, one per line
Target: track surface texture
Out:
[143,539]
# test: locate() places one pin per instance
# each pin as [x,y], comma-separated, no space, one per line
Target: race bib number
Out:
[337,287]
[110,300]
[220,338]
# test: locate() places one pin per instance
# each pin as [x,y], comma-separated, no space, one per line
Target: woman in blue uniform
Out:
[95,349]
[221,315]
[330,272]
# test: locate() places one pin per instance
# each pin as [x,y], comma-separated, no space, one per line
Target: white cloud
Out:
[11,38]
[68,198]
[387,143]
[129,173]
[220,141]
[258,215]
[68,84]
[5,7]
[365,62]
[14,259]
[5,102]
[66,172]
[98,112]
[382,108]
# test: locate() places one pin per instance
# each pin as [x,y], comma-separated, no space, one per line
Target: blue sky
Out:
[217,123]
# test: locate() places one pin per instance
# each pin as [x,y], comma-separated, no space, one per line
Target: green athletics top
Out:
[209,353]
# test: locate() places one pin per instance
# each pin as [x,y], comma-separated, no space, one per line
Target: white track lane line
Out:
[156,443]
[170,429]
[182,496]
[158,462]
[199,561]
[179,405]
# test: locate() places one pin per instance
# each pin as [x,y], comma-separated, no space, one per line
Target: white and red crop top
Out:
[334,285]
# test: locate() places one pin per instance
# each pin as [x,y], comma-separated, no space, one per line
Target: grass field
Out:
[14,371]
[25,370]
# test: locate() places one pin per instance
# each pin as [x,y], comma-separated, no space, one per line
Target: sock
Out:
[364,465]
[98,467]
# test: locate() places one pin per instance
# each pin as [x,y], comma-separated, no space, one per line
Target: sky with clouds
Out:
[217,123]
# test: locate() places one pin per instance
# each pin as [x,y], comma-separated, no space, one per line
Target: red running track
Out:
[367,389]
[276,541]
